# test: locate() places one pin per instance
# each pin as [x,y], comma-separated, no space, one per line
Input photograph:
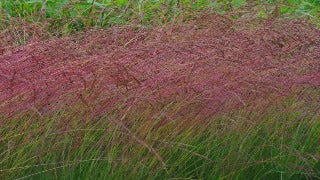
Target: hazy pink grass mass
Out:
[208,63]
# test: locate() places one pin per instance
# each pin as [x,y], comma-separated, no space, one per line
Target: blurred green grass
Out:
[69,15]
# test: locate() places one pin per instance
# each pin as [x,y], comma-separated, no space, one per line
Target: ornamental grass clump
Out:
[210,61]
[210,98]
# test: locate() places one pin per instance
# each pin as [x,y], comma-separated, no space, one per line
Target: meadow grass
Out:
[62,17]
[269,139]
[280,142]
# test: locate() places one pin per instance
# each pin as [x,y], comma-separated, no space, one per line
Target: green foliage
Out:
[281,142]
[238,3]
[68,15]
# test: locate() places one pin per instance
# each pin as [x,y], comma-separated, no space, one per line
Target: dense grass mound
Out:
[210,60]
[212,97]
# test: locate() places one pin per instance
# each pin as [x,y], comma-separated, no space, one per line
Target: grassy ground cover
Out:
[159,90]
[279,142]
[62,17]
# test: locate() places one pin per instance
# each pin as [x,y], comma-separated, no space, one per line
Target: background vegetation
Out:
[63,16]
